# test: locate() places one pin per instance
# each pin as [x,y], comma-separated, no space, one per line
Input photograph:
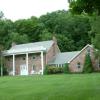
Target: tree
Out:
[17,38]
[87,6]
[88,67]
[45,35]
[64,43]
[31,27]
[66,68]
[74,27]
[1,14]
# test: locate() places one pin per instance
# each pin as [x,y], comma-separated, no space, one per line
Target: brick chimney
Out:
[54,39]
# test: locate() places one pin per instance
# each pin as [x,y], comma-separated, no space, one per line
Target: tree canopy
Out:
[87,6]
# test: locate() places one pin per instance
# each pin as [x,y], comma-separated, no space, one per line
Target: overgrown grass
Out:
[51,87]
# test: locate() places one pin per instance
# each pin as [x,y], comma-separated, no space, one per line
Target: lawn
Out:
[51,87]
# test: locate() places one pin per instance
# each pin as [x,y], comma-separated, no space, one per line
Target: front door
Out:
[23,70]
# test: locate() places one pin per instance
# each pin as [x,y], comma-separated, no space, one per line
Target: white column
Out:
[13,64]
[42,62]
[27,62]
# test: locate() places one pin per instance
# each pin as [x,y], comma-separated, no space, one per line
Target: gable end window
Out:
[78,65]
[88,51]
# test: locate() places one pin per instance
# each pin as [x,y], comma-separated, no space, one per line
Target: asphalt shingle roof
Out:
[28,47]
[63,58]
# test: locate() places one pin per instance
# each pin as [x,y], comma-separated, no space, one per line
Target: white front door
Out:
[23,70]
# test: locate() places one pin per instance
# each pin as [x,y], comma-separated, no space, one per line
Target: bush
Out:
[52,70]
[66,68]
[88,68]
[45,72]
[4,71]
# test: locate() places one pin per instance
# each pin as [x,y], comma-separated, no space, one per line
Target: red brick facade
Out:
[80,58]
[34,60]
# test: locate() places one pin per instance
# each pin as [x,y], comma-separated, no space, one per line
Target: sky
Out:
[22,9]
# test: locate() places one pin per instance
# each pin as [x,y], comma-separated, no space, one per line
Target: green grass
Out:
[51,87]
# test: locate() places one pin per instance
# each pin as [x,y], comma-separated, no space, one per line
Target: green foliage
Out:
[66,68]
[45,72]
[68,28]
[1,14]
[88,67]
[65,43]
[20,38]
[87,6]
[96,30]
[52,70]
[45,35]
[4,70]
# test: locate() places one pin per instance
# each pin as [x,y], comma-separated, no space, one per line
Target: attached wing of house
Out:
[62,58]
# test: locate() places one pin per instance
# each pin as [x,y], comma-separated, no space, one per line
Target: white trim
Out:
[22,53]
[27,62]
[13,64]
[80,52]
[27,50]
[42,62]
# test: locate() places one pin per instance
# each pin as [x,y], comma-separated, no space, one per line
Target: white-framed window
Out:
[78,65]
[99,63]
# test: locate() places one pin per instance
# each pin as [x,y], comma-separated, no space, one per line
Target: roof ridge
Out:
[33,42]
[68,52]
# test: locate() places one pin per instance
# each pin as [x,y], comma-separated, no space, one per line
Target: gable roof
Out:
[29,47]
[63,58]
[91,46]
[67,57]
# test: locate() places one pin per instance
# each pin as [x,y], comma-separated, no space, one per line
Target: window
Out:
[34,57]
[78,65]
[23,58]
[88,51]
[99,63]
[8,59]
[33,67]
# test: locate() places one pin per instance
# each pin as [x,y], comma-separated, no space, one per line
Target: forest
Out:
[73,29]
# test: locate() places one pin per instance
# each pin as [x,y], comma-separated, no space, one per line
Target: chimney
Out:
[13,44]
[54,39]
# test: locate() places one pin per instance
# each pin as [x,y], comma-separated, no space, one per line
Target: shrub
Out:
[88,68]
[4,71]
[66,68]
[45,72]
[52,70]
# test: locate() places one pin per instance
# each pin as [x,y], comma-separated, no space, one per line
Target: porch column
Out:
[27,62]
[13,64]
[42,62]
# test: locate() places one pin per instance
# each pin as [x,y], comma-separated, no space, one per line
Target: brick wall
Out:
[21,59]
[81,58]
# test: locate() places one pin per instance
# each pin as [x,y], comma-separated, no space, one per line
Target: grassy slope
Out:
[51,87]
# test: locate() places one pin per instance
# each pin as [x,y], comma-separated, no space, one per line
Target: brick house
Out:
[31,58]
